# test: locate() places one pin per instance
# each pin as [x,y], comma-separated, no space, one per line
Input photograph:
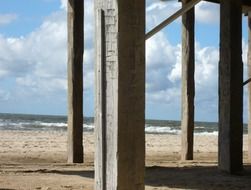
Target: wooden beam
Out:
[244,2]
[123,96]
[100,110]
[246,10]
[230,87]
[249,85]
[188,89]
[75,80]
[213,1]
[173,17]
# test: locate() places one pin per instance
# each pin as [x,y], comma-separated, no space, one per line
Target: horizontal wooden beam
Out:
[173,17]
[244,2]
[246,5]
[246,9]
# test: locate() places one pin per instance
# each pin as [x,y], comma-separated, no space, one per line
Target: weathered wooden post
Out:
[75,80]
[100,103]
[120,95]
[249,85]
[230,87]
[188,91]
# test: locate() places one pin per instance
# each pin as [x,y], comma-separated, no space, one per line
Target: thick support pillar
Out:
[75,80]
[100,103]
[120,95]
[187,121]
[249,85]
[230,87]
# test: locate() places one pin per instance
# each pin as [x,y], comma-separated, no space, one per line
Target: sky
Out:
[33,59]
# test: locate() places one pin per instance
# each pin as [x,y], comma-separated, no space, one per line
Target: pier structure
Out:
[188,84]
[75,26]
[120,87]
[249,85]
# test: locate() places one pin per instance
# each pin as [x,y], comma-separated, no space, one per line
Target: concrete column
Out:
[75,80]
[120,95]
[230,87]
[249,85]
[188,89]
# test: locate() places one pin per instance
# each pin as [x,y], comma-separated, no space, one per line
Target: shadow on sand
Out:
[188,177]
[197,177]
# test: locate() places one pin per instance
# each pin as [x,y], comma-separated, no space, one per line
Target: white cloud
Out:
[7,18]
[63,4]
[164,61]
[38,61]
[158,11]
[207,59]
[164,74]
[207,13]
[158,47]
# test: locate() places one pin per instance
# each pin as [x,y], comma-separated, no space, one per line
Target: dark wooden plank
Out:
[249,85]
[75,80]
[244,2]
[124,94]
[230,87]
[188,89]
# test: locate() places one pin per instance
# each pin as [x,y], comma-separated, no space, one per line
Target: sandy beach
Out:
[37,160]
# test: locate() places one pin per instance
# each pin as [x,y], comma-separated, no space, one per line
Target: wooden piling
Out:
[123,96]
[100,104]
[249,85]
[188,89]
[75,80]
[230,87]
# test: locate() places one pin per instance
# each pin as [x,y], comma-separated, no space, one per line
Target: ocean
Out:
[59,123]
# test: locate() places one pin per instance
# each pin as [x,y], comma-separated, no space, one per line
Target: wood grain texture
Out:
[100,104]
[75,80]
[188,89]
[230,87]
[124,95]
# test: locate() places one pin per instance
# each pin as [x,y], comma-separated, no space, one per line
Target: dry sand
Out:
[37,160]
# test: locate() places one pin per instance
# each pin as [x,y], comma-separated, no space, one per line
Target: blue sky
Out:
[33,56]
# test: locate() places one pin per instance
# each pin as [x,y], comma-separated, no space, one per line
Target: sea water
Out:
[55,123]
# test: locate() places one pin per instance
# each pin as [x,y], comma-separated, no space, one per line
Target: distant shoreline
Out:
[32,122]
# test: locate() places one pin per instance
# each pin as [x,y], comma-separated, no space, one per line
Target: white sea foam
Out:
[214,133]
[88,127]
[52,124]
[200,127]
[158,129]
[39,125]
